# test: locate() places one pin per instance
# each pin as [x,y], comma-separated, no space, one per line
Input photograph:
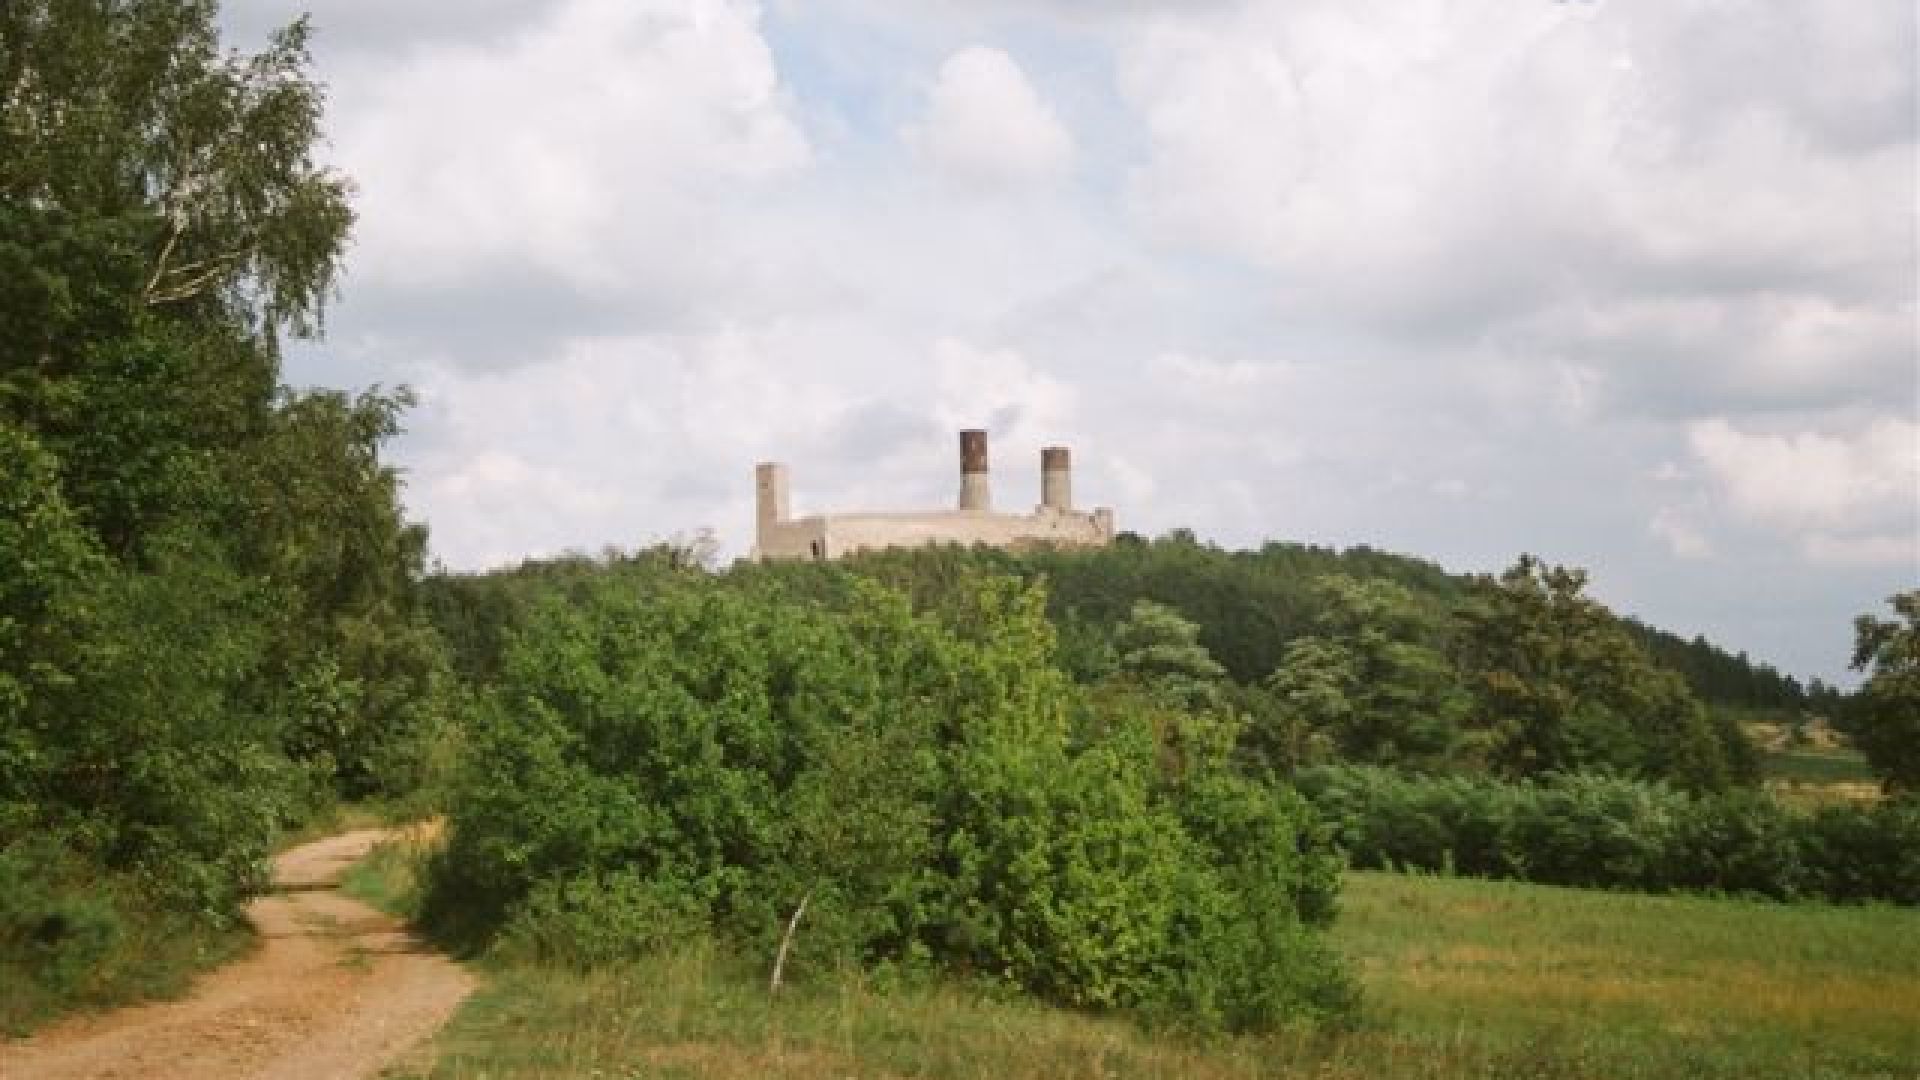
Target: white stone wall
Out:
[833,536]
[799,538]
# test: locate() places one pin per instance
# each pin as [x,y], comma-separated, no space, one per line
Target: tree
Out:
[123,110]
[1559,684]
[1372,675]
[1886,710]
[163,222]
[1162,649]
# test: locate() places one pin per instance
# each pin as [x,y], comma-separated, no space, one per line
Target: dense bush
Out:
[1600,831]
[712,752]
[1875,852]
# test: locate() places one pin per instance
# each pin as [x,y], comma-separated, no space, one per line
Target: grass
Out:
[1808,777]
[75,938]
[1463,979]
[1817,765]
[1641,985]
[386,879]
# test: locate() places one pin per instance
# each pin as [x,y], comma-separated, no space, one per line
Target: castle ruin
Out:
[778,535]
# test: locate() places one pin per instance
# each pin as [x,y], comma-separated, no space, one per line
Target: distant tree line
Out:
[1383,659]
[1732,679]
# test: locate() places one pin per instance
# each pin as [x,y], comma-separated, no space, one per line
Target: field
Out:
[1462,978]
[1818,765]
[1810,776]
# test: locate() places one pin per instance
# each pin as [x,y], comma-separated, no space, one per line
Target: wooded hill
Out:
[1289,626]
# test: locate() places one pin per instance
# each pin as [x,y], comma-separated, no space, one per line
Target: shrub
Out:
[715,751]
[589,921]
[53,932]
[1858,853]
[76,934]
[1740,842]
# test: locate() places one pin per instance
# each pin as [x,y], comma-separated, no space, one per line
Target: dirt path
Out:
[335,990]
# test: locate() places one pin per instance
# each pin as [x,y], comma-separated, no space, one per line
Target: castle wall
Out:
[832,536]
[849,533]
[799,538]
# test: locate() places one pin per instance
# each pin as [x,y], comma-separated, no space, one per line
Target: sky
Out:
[1629,286]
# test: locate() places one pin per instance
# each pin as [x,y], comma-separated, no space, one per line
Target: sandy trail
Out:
[335,990]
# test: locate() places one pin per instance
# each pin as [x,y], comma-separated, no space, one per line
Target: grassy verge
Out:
[75,938]
[1464,979]
[388,878]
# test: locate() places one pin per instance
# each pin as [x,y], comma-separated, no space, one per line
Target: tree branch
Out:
[786,940]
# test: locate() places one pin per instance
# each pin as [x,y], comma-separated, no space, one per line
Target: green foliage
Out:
[124,109]
[76,934]
[1243,924]
[207,624]
[46,561]
[1611,832]
[1162,650]
[1874,852]
[55,934]
[597,921]
[1377,657]
[1466,980]
[1886,711]
[1248,605]
[1559,685]
[715,752]
[1729,680]
[1373,675]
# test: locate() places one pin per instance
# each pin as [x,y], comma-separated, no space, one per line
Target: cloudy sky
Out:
[1630,285]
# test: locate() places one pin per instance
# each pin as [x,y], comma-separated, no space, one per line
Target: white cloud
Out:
[1871,549]
[1218,382]
[1682,537]
[579,148]
[1446,167]
[1806,479]
[1849,498]
[614,440]
[1001,390]
[986,126]
[1681,352]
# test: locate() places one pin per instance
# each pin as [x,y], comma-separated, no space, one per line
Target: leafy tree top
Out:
[1887,709]
[128,110]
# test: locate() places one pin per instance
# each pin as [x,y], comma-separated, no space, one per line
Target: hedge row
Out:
[1600,831]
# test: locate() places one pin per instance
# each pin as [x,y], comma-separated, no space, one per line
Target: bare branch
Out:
[786,940]
[177,225]
[204,271]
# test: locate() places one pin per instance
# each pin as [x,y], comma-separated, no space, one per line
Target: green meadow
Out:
[1463,978]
